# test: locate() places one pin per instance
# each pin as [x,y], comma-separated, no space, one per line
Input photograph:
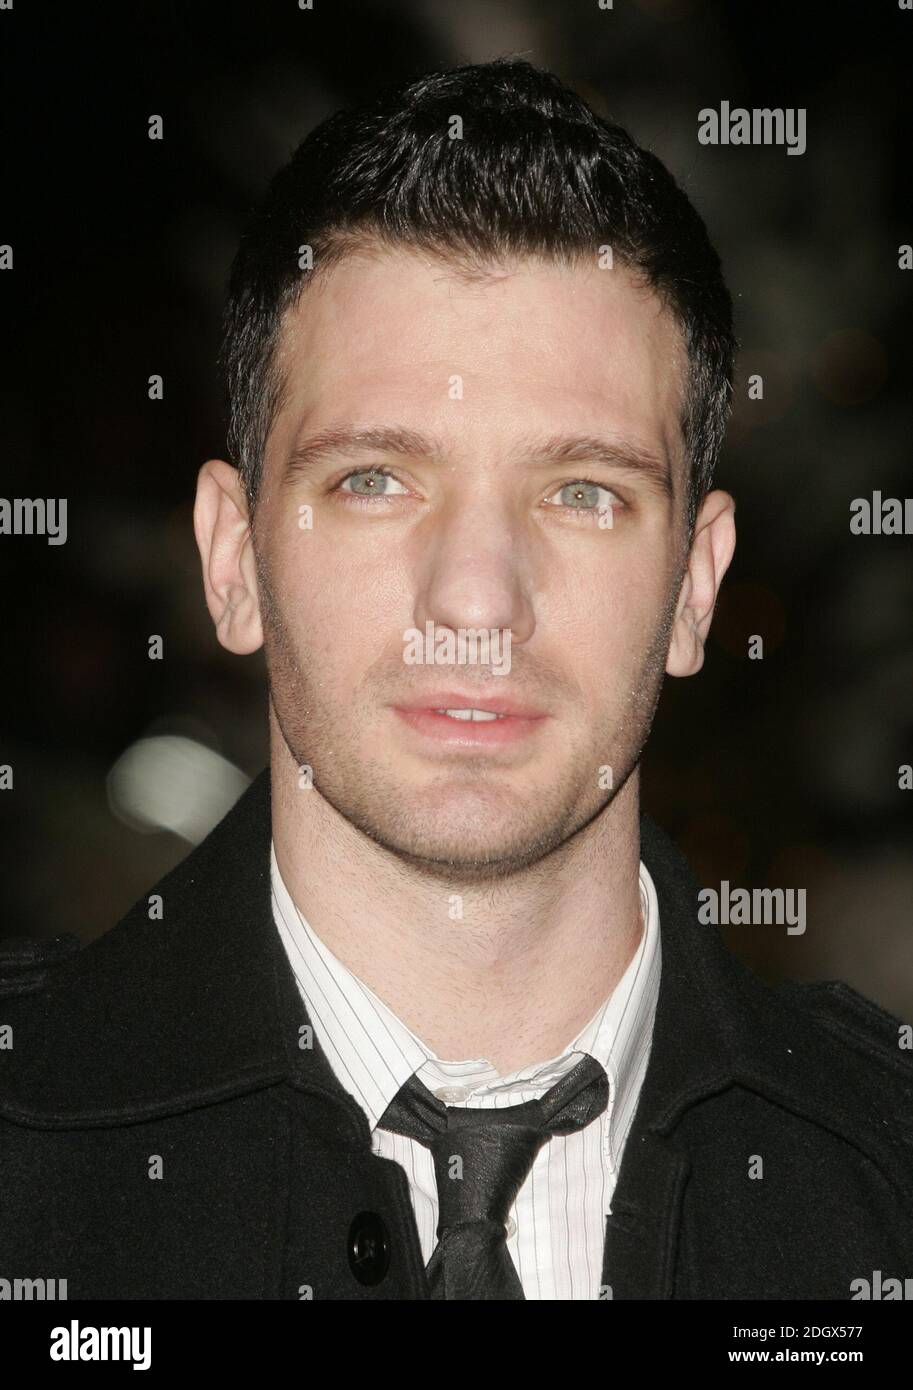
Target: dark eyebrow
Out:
[616,453]
[557,450]
[386,440]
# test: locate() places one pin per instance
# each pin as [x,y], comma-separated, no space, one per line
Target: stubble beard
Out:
[315,739]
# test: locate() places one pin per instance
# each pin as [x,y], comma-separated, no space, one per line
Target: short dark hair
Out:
[536,173]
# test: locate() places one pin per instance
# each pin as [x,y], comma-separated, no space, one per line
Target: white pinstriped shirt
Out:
[556,1227]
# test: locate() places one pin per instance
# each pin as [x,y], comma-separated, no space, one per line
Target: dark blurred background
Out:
[780,772]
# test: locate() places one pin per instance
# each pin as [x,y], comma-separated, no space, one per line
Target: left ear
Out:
[711,551]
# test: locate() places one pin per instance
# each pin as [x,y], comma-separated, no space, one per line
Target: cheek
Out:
[322,584]
[614,600]
[342,617]
[602,627]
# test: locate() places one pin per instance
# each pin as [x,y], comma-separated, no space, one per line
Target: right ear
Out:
[222,528]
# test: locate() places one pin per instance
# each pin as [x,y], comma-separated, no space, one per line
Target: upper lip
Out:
[453,699]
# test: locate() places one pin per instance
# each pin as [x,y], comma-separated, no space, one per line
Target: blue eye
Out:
[583,495]
[376,482]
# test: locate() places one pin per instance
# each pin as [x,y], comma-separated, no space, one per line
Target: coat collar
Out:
[157,1017]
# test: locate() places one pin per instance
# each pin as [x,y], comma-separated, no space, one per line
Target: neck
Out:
[517,975]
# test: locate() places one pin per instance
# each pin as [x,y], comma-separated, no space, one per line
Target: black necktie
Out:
[481,1160]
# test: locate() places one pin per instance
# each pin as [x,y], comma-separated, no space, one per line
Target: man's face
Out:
[483,533]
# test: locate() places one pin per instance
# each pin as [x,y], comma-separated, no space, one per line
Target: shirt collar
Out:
[375,1053]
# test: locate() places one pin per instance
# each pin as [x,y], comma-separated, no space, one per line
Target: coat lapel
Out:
[718,1025]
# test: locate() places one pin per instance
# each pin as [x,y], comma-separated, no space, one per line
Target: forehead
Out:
[398,337]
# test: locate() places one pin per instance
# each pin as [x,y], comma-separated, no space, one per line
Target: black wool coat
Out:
[163,1134]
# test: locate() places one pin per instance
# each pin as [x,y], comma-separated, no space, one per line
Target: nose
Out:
[475,572]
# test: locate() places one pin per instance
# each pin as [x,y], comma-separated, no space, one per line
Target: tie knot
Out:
[483,1156]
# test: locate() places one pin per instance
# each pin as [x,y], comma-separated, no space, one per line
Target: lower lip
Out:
[470,733]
